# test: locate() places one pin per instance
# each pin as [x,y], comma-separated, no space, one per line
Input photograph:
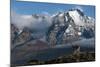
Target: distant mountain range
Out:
[48,37]
[59,28]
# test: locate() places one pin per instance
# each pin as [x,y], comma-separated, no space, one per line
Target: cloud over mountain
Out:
[30,21]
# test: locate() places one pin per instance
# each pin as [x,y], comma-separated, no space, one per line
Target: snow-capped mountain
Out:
[58,28]
[70,25]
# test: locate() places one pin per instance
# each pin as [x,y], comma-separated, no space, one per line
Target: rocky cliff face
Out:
[69,26]
[60,28]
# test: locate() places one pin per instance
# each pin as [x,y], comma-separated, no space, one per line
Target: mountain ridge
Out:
[59,27]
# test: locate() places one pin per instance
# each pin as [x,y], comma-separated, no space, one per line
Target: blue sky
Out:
[29,8]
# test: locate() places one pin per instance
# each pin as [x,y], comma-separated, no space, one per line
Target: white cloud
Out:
[20,20]
[45,13]
[29,21]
